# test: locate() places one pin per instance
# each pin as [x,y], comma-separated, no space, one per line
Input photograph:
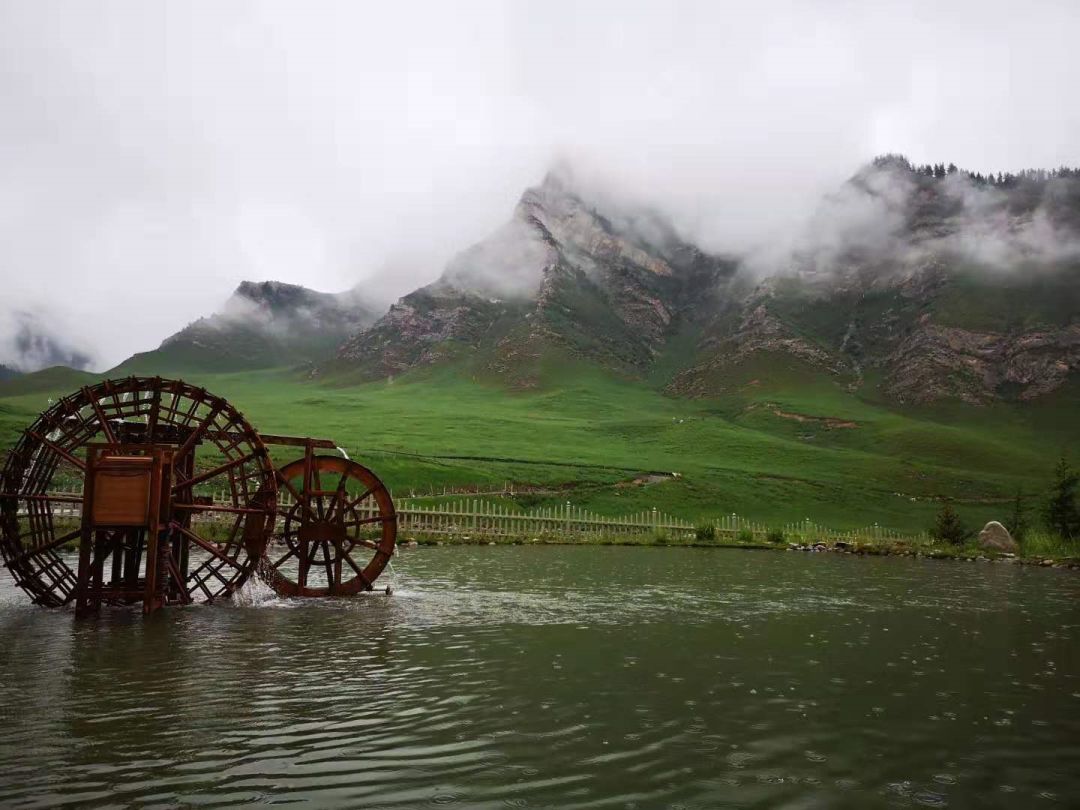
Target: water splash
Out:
[255,593]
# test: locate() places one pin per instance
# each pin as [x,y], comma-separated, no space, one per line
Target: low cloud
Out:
[29,343]
[892,217]
[154,155]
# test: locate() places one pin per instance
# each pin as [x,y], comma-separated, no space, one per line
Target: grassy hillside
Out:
[785,446]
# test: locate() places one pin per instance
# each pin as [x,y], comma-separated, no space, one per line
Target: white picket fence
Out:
[475,518]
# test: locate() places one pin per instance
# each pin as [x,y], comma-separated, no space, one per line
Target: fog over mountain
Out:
[29,341]
[155,155]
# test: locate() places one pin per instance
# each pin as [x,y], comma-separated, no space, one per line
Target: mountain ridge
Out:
[559,276]
[877,293]
[261,325]
[911,283]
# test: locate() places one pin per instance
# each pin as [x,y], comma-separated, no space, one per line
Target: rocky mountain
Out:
[262,325]
[921,284]
[915,284]
[559,278]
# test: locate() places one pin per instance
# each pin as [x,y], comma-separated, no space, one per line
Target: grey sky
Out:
[153,155]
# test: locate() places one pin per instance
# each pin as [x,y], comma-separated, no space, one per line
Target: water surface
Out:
[563,677]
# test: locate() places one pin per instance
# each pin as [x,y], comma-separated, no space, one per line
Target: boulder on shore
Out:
[995,537]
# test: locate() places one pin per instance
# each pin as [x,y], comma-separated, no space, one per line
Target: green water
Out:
[564,677]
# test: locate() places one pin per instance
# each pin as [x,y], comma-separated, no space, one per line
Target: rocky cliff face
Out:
[935,362]
[931,287]
[559,276]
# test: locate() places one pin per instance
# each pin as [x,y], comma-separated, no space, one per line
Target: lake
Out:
[560,676]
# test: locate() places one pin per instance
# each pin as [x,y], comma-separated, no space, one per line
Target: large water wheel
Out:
[337,528]
[140,459]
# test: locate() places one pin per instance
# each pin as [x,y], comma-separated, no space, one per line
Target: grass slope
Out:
[782,448]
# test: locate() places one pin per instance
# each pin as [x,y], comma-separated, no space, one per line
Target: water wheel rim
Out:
[141,411]
[337,546]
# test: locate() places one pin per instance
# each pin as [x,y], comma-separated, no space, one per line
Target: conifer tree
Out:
[1062,511]
[948,527]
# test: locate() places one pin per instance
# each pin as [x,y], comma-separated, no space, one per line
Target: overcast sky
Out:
[153,154]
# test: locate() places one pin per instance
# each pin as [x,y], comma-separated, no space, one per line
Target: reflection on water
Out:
[559,677]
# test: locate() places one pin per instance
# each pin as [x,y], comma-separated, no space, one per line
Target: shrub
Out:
[745,536]
[775,536]
[706,532]
[948,527]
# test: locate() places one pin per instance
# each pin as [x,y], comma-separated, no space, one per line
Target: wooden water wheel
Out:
[338,532]
[127,469]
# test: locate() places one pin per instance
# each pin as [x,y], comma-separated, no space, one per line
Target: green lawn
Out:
[765,452]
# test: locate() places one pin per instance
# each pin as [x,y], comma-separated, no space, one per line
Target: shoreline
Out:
[964,554]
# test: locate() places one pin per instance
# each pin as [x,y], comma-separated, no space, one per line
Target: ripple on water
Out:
[560,677]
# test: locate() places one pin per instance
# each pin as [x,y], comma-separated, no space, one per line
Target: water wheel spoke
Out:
[207,545]
[359,571]
[214,571]
[59,541]
[300,499]
[206,476]
[96,406]
[303,562]
[284,557]
[359,541]
[194,576]
[338,498]
[351,505]
[315,491]
[60,451]
[328,563]
[375,519]
[196,435]
[178,581]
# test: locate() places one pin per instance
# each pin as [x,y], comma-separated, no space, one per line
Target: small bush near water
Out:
[948,528]
[706,533]
[745,536]
[775,536]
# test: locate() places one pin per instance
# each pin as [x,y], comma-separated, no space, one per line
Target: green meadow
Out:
[776,449]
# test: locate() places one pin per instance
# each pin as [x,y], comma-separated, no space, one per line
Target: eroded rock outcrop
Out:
[937,362]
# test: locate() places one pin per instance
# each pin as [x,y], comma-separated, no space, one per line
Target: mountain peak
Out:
[262,324]
[560,275]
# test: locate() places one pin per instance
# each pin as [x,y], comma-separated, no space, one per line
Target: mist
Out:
[890,218]
[154,155]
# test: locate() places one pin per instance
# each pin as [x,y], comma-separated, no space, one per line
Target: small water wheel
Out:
[128,468]
[338,532]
